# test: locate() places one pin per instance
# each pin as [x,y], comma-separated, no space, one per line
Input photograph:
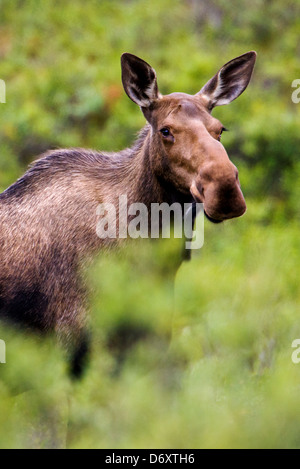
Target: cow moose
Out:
[49,216]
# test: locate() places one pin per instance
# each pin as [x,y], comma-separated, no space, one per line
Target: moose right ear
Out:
[139,80]
[230,81]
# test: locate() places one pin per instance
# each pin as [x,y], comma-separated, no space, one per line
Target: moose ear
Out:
[230,81]
[139,80]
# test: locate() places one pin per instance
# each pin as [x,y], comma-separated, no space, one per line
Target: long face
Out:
[186,136]
[190,140]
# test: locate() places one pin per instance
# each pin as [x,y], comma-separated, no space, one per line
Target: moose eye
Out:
[220,135]
[165,132]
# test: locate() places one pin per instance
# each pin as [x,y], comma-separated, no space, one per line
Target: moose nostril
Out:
[237,178]
[201,190]
[197,191]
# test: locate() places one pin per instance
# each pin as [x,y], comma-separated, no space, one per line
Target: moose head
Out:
[186,148]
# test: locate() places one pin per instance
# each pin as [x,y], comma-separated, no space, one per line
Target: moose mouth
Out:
[198,199]
[212,220]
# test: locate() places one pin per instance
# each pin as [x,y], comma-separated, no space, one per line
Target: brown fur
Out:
[48,217]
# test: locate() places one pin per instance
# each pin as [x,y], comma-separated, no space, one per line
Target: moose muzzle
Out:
[220,192]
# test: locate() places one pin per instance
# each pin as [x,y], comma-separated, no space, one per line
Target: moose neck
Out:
[146,184]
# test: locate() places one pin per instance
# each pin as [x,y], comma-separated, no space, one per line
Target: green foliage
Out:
[226,378]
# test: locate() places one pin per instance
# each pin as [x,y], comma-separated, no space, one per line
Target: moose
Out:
[49,216]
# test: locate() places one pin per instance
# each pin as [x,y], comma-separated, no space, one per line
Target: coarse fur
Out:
[49,216]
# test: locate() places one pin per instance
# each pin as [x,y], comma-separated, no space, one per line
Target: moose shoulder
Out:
[49,216]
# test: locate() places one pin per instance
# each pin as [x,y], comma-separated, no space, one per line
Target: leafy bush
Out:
[226,378]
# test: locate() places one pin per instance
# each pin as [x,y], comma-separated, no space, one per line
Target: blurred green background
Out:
[226,378]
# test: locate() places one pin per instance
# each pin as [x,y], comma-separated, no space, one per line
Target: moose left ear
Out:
[139,80]
[230,81]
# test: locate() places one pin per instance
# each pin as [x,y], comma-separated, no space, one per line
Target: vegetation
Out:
[226,378]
